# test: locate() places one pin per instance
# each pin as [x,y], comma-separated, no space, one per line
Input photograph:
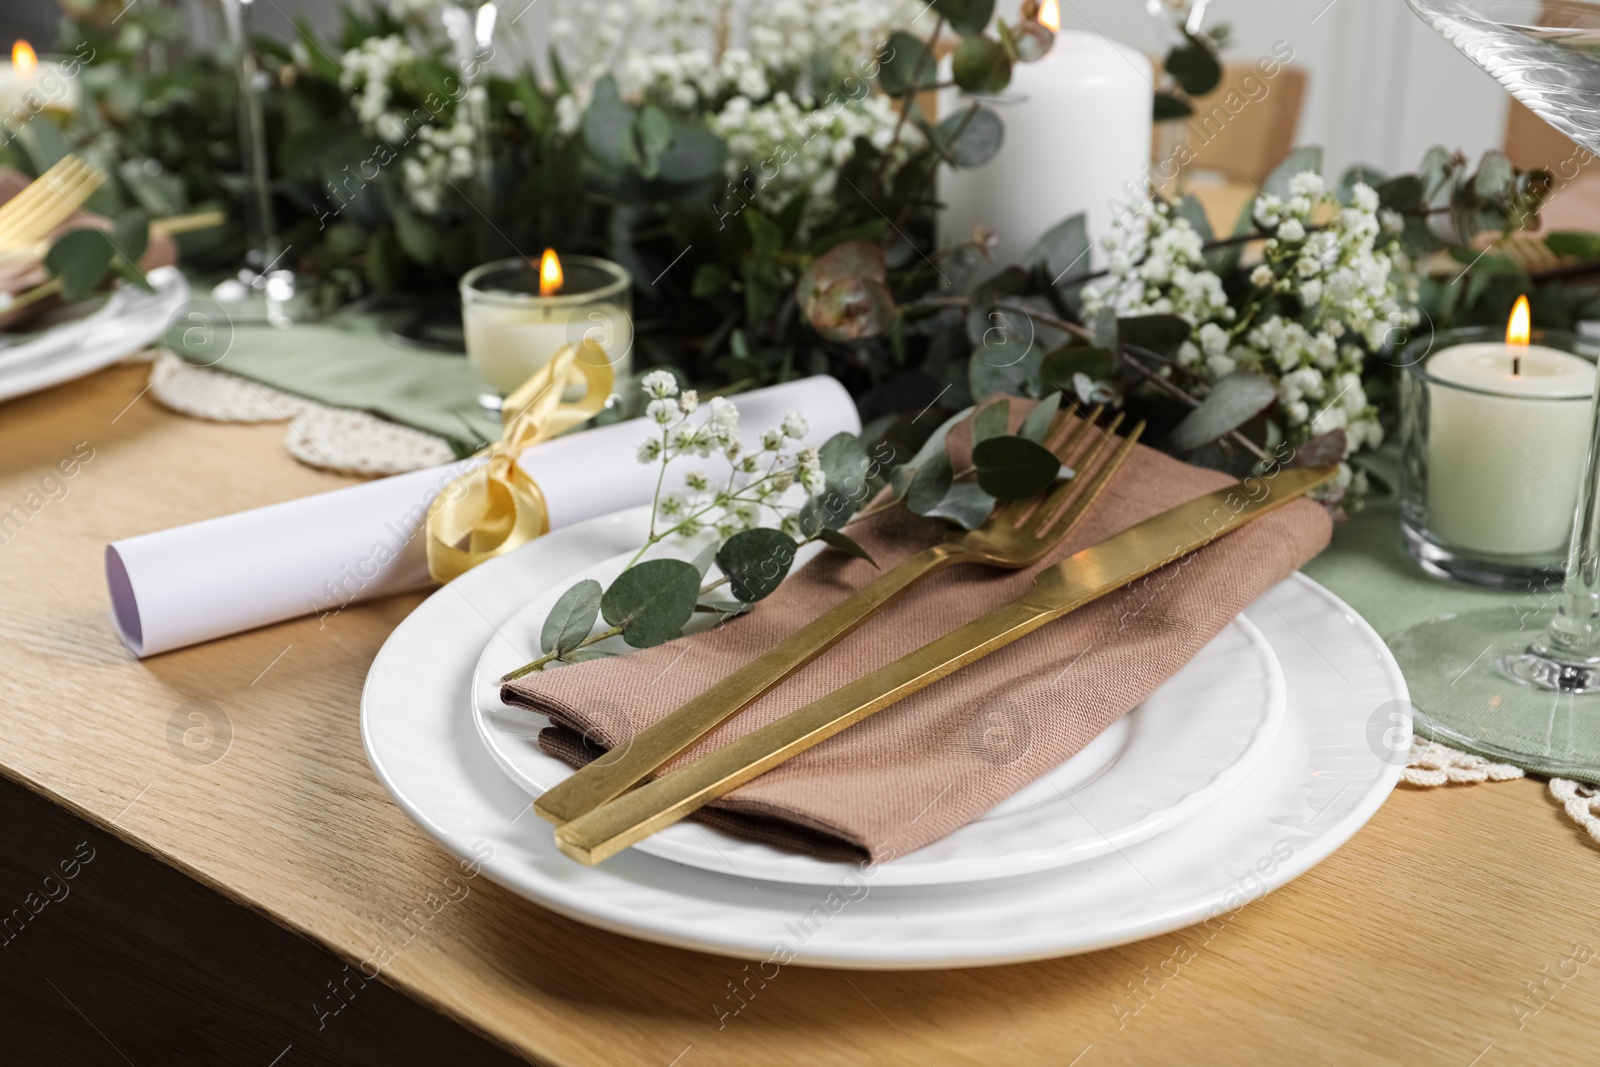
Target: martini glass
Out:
[1522,682]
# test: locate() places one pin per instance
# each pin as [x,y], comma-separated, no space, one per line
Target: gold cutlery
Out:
[1086,576]
[1016,535]
[47,202]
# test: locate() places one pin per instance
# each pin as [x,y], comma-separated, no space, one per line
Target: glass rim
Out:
[620,282]
[1568,341]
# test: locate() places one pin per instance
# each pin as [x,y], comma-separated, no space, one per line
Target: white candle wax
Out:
[506,345]
[1503,469]
[46,87]
[1077,137]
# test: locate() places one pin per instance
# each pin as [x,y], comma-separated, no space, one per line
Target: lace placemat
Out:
[338,439]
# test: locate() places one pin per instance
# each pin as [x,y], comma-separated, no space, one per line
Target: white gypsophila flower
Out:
[688,401]
[444,155]
[794,425]
[661,412]
[649,450]
[1334,286]
[659,384]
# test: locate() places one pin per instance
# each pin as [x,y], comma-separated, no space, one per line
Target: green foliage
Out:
[756,562]
[571,619]
[651,601]
[1011,468]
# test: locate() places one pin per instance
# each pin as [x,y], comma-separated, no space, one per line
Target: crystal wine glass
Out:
[1523,682]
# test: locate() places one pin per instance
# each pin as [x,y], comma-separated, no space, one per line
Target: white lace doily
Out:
[1433,764]
[339,439]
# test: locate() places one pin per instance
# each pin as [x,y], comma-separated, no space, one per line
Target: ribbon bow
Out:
[496,507]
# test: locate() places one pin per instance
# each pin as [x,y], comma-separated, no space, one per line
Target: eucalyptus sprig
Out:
[758,523]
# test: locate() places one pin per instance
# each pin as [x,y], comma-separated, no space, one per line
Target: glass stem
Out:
[263,231]
[1574,634]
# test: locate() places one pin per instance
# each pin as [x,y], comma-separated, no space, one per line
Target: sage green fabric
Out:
[346,363]
[1458,702]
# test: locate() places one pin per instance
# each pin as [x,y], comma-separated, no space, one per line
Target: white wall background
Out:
[1382,86]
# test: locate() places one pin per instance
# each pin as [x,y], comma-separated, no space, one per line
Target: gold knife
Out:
[1075,581]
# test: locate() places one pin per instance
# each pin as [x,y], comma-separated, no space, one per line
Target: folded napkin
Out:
[17,276]
[935,761]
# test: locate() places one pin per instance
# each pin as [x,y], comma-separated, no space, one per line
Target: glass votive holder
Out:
[512,329]
[1493,441]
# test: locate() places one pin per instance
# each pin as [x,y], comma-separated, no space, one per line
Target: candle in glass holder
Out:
[1508,430]
[517,315]
[29,85]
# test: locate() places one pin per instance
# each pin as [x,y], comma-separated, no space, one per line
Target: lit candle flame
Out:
[550,277]
[1518,326]
[1050,15]
[23,59]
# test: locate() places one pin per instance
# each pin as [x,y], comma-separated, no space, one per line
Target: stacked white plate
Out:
[126,321]
[1249,766]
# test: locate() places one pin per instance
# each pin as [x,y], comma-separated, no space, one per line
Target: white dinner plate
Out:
[130,319]
[1187,744]
[1320,780]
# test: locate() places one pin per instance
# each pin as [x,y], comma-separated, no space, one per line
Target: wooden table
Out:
[226,903]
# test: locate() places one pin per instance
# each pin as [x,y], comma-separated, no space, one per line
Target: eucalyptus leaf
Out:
[1169,108]
[1012,468]
[1192,210]
[847,544]
[1234,400]
[1161,334]
[1585,246]
[1063,249]
[1195,68]
[652,600]
[844,293]
[1300,160]
[970,137]
[904,476]
[130,236]
[80,260]
[571,619]
[606,122]
[980,65]
[967,17]
[694,154]
[991,420]
[1036,427]
[904,65]
[1323,450]
[845,466]
[1058,367]
[929,483]
[756,562]
[966,504]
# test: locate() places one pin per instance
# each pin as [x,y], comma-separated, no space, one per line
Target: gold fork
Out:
[48,201]
[1017,535]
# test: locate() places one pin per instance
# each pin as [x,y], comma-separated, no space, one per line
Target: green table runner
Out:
[347,363]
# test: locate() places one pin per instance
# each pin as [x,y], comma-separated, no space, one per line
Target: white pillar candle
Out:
[1508,430]
[1077,136]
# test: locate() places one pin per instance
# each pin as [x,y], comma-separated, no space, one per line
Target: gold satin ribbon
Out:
[496,506]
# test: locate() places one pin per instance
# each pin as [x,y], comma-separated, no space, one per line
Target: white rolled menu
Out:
[318,554]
